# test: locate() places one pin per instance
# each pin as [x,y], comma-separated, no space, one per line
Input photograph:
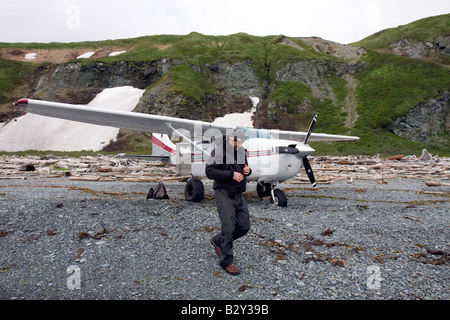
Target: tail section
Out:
[163,148]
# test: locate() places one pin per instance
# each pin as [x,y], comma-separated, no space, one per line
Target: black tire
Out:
[280,198]
[263,189]
[194,190]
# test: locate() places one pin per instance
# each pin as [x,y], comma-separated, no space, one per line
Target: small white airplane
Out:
[274,156]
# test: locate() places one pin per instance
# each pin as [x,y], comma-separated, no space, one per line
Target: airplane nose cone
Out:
[304,150]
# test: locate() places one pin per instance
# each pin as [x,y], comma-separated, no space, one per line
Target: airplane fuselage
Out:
[269,159]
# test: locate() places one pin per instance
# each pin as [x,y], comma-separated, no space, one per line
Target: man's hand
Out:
[238,176]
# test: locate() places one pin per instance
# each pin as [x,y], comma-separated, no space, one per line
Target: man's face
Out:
[236,142]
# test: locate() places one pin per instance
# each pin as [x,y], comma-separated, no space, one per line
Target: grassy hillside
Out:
[388,88]
[424,30]
[388,85]
[392,85]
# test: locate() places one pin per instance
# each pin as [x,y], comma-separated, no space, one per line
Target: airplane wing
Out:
[320,137]
[146,122]
[113,118]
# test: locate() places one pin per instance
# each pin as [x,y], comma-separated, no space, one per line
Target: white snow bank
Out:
[30,56]
[116,53]
[34,132]
[86,55]
[239,119]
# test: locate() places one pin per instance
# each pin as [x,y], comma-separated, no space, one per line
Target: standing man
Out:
[228,167]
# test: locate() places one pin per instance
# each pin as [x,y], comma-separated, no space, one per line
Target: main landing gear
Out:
[278,197]
[194,191]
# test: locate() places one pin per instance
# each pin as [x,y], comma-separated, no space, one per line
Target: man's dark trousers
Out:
[235,220]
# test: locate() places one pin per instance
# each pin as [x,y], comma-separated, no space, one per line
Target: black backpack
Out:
[159,193]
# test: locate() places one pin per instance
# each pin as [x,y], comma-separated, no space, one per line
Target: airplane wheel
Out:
[194,190]
[280,198]
[263,189]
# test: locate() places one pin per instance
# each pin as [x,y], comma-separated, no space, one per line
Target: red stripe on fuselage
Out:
[160,144]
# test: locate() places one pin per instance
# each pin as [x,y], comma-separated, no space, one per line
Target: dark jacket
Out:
[222,173]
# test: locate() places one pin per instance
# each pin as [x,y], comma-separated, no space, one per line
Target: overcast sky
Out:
[343,21]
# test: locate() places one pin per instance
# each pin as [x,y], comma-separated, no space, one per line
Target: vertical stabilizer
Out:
[163,147]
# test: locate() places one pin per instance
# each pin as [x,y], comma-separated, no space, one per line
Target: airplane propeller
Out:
[303,150]
[309,171]
[306,163]
[310,129]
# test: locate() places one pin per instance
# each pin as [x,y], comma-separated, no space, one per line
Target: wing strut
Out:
[186,138]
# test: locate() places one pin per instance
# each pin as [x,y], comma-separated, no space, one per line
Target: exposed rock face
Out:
[92,79]
[234,83]
[417,49]
[442,44]
[236,78]
[424,121]
[314,74]
[160,100]
[410,48]
[338,50]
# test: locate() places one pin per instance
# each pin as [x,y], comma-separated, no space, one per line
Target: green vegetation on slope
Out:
[190,83]
[424,30]
[13,76]
[391,85]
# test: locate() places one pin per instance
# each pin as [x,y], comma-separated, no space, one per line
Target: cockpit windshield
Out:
[256,133]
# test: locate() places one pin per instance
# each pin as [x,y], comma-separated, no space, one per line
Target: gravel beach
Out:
[79,240]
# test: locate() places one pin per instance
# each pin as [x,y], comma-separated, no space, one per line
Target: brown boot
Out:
[216,247]
[232,269]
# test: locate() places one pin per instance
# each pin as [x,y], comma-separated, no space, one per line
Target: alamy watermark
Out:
[374,277]
[74,280]
[73,21]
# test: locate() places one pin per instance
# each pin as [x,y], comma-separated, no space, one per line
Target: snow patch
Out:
[239,119]
[86,55]
[34,132]
[116,53]
[30,56]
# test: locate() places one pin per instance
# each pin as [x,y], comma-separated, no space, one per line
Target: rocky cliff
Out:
[426,122]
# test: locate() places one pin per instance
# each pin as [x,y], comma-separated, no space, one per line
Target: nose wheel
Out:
[278,197]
